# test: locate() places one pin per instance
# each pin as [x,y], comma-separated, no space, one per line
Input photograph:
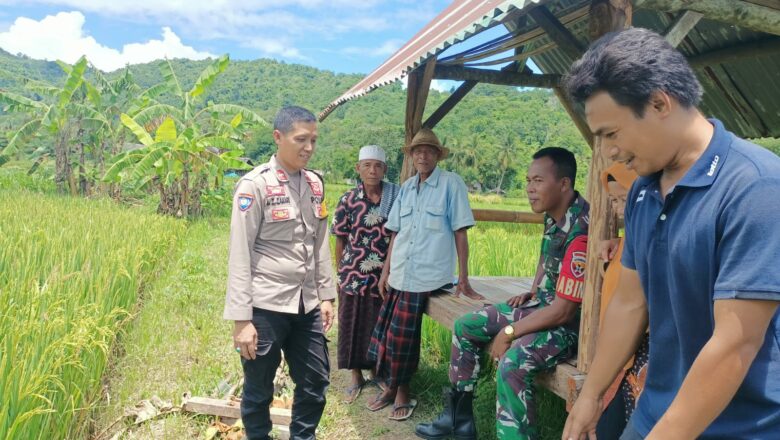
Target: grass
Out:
[70,274]
[175,341]
[178,341]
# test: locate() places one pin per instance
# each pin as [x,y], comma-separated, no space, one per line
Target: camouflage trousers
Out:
[528,355]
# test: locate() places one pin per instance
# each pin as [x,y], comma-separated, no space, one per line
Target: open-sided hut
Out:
[733,45]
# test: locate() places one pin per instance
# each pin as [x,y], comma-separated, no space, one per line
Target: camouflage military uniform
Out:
[531,353]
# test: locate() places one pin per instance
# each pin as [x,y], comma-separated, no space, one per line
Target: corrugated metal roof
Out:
[459,21]
[745,94]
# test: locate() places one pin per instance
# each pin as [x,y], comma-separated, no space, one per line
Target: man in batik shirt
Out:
[361,248]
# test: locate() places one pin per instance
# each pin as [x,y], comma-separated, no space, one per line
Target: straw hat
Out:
[426,136]
[623,176]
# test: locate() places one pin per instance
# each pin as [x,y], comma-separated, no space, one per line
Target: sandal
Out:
[353,392]
[380,383]
[410,406]
[378,400]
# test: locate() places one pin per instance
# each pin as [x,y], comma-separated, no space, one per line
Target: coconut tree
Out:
[506,159]
[193,143]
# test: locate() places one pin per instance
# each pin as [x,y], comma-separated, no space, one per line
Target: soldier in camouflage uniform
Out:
[534,331]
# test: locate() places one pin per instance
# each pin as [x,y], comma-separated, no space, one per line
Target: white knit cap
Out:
[374,152]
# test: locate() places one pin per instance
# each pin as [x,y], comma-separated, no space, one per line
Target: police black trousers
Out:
[301,338]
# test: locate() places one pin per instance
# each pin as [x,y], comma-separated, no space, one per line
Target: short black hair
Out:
[630,65]
[565,163]
[288,116]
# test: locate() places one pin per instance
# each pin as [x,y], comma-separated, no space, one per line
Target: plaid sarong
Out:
[395,343]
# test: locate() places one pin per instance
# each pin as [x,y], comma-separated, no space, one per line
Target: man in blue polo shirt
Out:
[700,257]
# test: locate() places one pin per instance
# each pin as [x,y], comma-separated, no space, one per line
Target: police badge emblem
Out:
[245,201]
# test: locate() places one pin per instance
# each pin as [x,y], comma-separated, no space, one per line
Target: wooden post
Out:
[575,116]
[745,14]
[606,16]
[417,87]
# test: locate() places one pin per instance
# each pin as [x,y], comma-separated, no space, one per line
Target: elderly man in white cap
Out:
[361,247]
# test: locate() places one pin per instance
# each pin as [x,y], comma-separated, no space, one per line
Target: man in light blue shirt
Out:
[428,223]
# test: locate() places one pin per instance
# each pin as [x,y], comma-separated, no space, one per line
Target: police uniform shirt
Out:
[279,246]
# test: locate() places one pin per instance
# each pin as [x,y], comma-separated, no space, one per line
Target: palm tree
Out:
[506,159]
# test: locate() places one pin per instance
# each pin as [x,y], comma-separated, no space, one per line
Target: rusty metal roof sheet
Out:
[459,21]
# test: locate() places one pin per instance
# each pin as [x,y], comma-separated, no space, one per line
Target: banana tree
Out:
[193,143]
[59,116]
[108,135]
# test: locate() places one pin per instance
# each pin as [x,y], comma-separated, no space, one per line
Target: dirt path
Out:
[343,421]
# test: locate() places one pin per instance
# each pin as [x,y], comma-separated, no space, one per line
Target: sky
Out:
[345,36]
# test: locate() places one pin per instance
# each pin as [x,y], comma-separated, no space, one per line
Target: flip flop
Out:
[379,383]
[353,392]
[410,406]
[378,400]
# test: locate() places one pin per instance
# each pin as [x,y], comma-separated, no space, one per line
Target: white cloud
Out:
[62,37]
[272,47]
[387,48]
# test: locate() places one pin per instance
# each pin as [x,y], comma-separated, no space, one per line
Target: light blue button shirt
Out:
[423,256]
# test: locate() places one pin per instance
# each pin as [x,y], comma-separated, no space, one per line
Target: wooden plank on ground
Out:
[231,409]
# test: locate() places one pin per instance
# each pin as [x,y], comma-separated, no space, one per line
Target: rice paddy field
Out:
[71,271]
[104,305]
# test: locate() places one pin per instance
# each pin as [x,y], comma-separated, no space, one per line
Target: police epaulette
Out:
[321,179]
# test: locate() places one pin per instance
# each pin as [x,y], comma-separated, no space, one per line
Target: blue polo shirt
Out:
[425,217]
[716,236]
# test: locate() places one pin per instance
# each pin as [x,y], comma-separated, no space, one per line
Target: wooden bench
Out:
[565,380]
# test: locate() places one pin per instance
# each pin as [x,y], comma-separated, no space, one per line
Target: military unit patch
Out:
[578,264]
[245,201]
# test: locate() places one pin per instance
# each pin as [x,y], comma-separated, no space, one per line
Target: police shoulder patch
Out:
[245,201]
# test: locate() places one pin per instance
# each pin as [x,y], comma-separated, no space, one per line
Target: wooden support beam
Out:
[497,215]
[456,97]
[417,86]
[505,78]
[576,116]
[557,32]
[607,16]
[449,104]
[755,49]
[682,24]
[748,15]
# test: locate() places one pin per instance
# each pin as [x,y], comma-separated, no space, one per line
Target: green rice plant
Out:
[70,274]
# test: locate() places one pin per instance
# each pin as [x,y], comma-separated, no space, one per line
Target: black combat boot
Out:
[456,421]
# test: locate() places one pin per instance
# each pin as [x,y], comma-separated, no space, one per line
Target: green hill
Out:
[488,118]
